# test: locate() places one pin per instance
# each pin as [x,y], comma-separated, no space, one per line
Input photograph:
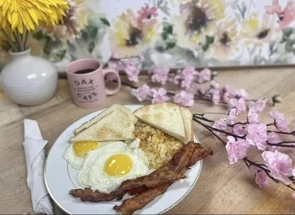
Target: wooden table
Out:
[221,188]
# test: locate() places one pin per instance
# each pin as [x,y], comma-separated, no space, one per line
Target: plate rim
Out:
[161,212]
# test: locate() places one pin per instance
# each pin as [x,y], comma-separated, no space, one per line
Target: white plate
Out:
[60,179]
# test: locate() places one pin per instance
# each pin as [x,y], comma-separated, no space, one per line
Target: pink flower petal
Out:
[279,164]
[257,135]
[236,149]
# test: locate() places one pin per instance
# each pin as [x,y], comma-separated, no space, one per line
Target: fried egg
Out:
[105,168]
[76,152]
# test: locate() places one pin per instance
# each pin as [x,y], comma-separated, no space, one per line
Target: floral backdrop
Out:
[171,33]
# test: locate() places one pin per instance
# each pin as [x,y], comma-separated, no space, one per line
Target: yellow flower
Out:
[129,36]
[197,19]
[17,14]
[226,40]
[259,31]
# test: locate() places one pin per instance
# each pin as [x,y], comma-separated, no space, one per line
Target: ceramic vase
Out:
[28,80]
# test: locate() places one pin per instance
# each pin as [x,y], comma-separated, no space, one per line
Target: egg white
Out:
[74,160]
[92,174]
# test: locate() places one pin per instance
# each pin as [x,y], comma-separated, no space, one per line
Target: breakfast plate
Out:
[60,178]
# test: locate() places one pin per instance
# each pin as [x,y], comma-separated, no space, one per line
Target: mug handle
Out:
[107,71]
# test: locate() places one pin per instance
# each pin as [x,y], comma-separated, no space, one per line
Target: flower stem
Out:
[11,43]
[282,144]
[281,132]
[25,38]
[221,131]
[210,130]
[18,41]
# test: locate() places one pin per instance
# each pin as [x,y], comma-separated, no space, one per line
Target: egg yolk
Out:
[81,148]
[118,165]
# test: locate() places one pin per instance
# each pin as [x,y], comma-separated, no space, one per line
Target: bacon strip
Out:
[170,172]
[199,154]
[147,188]
[139,201]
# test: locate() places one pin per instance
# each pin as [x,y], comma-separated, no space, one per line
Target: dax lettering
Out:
[89,81]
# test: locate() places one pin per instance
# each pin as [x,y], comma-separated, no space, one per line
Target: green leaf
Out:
[92,31]
[104,21]
[169,29]
[205,47]
[209,39]
[164,36]
[38,35]
[61,54]
[46,48]
[91,47]
[170,45]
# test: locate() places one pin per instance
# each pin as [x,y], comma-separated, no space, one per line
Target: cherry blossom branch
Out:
[192,85]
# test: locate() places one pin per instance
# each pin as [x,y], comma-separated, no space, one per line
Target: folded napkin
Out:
[35,156]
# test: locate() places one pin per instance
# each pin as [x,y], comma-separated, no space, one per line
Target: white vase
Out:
[28,80]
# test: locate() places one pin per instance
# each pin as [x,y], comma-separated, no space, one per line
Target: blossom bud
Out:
[276,99]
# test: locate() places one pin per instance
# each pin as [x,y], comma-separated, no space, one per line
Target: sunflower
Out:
[197,19]
[259,31]
[226,40]
[16,15]
[129,36]
[74,20]
[19,17]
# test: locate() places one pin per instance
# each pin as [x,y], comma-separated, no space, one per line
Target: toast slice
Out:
[114,126]
[188,123]
[164,116]
[106,112]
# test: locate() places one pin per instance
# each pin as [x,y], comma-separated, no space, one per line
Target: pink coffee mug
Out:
[87,82]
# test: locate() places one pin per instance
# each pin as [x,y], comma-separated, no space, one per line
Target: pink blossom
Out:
[141,57]
[279,120]
[238,104]
[214,84]
[141,93]
[239,130]
[113,65]
[279,164]
[184,98]
[220,124]
[215,95]
[273,137]
[160,75]
[261,177]
[252,116]
[189,71]
[204,75]
[293,172]
[259,105]
[228,93]
[232,116]
[286,15]
[257,135]
[199,89]
[176,79]
[146,13]
[187,76]
[241,93]
[159,96]
[236,149]
[115,56]
[132,71]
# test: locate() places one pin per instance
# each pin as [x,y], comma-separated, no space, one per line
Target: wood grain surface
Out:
[221,188]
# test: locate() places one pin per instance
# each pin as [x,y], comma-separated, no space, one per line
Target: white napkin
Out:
[35,156]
